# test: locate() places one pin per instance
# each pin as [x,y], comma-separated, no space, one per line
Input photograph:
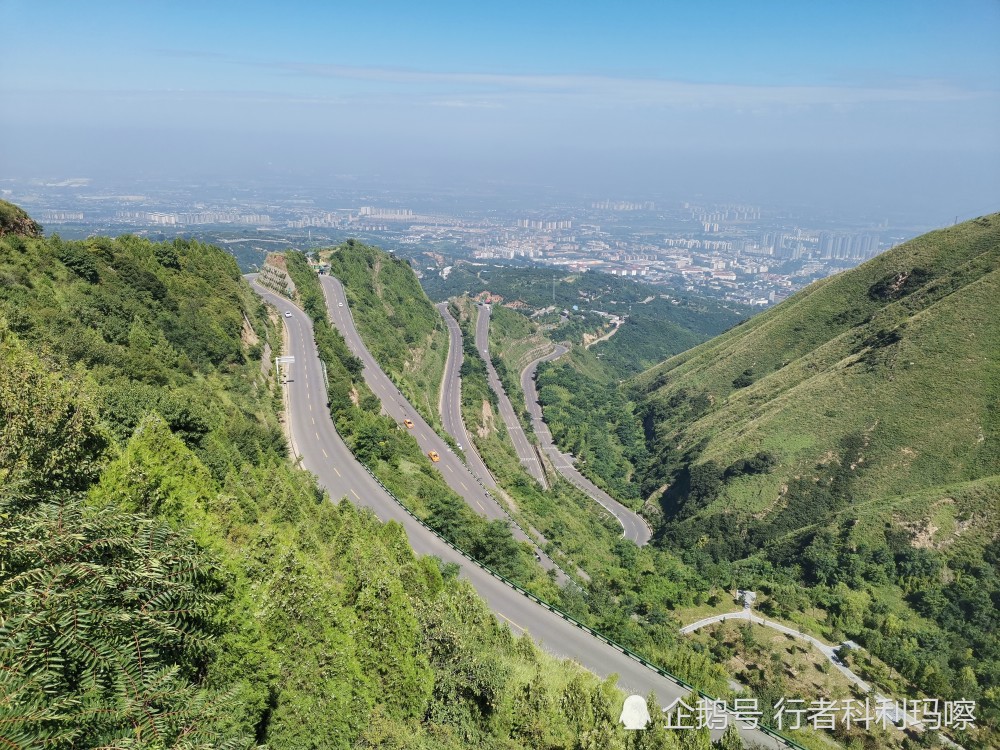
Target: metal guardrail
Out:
[555,610]
[391,377]
[565,616]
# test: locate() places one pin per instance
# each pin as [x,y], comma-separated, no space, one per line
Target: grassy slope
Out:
[14,220]
[399,324]
[826,370]
[515,338]
[660,329]
[594,420]
[874,394]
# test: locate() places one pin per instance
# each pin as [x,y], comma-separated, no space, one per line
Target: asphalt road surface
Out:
[450,402]
[525,450]
[454,470]
[634,527]
[315,441]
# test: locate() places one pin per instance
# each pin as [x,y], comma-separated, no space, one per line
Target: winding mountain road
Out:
[450,400]
[525,450]
[316,444]
[458,476]
[634,526]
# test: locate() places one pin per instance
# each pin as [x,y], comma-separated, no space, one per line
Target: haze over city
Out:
[886,107]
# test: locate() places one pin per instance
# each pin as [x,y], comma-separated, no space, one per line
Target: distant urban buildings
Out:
[623,206]
[545,226]
[44,216]
[734,251]
[848,246]
[390,214]
[157,218]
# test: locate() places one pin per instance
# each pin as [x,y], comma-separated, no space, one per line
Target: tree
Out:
[730,739]
[388,638]
[106,619]
[50,436]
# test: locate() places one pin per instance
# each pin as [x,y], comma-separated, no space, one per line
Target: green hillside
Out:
[399,324]
[168,580]
[661,328]
[656,325]
[891,367]
[850,437]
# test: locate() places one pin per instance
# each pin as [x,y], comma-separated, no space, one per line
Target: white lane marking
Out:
[450,469]
[324,452]
[465,488]
[480,506]
[355,494]
[335,469]
[317,435]
[313,419]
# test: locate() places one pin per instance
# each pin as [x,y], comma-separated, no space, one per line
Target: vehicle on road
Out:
[433,455]
[340,304]
[408,423]
[288,313]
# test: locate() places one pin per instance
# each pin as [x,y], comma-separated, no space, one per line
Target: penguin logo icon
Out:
[635,713]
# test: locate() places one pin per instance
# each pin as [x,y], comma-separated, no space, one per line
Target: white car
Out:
[340,304]
[288,313]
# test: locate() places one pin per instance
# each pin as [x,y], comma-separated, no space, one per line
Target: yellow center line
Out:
[512,622]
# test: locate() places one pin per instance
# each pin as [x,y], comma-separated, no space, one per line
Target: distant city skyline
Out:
[893,105]
[739,252]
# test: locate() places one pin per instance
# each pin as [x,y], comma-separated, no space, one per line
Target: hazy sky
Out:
[855,102]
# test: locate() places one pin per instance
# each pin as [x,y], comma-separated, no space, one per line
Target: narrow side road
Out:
[824,648]
[634,526]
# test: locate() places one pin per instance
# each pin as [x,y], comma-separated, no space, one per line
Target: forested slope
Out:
[399,324]
[168,580]
[849,438]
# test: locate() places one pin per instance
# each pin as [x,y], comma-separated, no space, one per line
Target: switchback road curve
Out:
[321,450]
[634,527]
[458,476]
[525,450]
[450,400]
